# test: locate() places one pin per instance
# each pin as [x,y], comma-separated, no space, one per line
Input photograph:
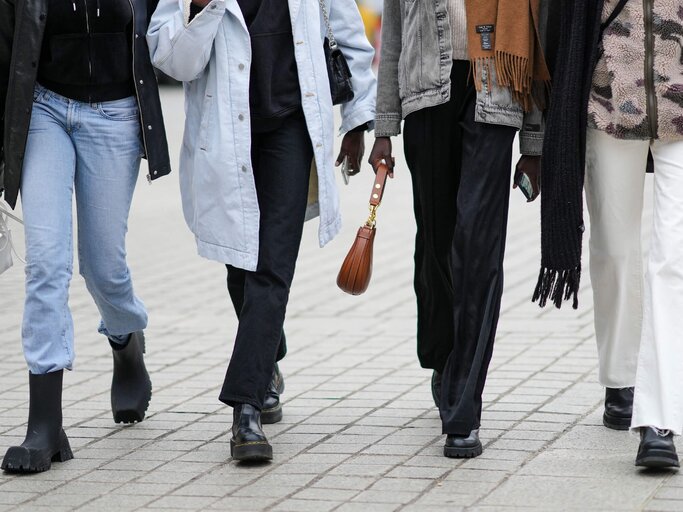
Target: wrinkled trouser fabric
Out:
[93,150]
[638,322]
[282,165]
[461,187]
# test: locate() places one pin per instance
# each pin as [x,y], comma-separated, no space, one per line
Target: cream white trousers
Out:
[638,322]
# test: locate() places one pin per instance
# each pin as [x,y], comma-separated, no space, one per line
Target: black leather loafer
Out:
[436,387]
[248,441]
[657,449]
[618,408]
[463,447]
[131,387]
[272,407]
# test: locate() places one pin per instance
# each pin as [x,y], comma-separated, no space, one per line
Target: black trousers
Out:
[461,186]
[282,164]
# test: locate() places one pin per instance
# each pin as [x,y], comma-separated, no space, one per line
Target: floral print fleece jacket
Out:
[637,89]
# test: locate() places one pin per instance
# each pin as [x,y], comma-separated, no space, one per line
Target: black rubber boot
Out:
[618,408]
[45,441]
[657,449]
[272,407]
[436,387]
[248,441]
[463,447]
[131,387]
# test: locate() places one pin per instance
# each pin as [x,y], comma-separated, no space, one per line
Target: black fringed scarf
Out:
[564,152]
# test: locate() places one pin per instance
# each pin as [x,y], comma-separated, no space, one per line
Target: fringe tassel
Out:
[512,72]
[558,286]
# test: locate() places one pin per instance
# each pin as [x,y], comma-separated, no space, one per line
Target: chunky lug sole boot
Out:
[45,441]
[272,406]
[131,387]
[618,408]
[460,447]
[249,443]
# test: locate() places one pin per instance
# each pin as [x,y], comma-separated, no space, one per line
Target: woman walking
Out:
[80,106]
[620,62]
[259,112]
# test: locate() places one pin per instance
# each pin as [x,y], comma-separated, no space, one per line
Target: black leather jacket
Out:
[22,23]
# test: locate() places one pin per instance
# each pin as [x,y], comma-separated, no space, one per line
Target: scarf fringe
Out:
[512,72]
[558,286]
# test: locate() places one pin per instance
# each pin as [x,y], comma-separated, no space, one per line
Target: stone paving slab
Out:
[360,432]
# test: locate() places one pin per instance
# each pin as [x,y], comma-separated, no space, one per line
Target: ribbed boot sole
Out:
[463,453]
[616,423]
[658,460]
[132,414]
[270,416]
[23,460]
[251,452]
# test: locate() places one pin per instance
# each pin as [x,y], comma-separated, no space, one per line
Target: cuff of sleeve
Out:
[387,125]
[354,119]
[531,143]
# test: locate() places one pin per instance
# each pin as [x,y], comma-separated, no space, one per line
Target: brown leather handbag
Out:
[356,271]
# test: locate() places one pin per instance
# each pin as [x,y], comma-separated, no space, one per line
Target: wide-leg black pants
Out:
[461,186]
[282,164]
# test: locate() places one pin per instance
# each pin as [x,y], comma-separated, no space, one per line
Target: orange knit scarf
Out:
[503,35]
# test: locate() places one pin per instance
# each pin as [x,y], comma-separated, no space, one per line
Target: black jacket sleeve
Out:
[6,37]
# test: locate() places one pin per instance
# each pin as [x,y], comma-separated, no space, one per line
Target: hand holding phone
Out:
[345,169]
[528,176]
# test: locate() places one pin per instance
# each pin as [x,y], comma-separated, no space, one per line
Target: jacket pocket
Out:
[205,127]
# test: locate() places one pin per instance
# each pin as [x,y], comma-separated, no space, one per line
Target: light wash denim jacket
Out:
[212,56]
[415,70]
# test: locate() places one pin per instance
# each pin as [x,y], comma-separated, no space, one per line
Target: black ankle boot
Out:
[131,387]
[248,441]
[618,408]
[436,387]
[657,449]
[272,408]
[45,441]
[463,447]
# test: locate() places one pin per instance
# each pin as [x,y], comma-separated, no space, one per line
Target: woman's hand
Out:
[381,152]
[353,148]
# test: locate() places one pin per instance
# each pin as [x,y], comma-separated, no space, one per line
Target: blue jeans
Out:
[94,150]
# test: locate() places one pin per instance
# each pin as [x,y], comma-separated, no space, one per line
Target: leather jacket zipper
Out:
[648,8]
[137,94]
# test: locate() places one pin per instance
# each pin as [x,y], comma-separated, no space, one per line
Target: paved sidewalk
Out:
[360,432]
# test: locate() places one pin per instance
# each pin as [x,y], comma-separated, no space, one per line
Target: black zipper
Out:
[87,29]
[648,7]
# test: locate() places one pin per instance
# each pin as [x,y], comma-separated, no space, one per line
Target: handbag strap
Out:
[330,35]
[5,212]
[377,193]
[380,184]
[616,12]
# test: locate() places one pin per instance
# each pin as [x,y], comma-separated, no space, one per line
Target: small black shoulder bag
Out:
[337,68]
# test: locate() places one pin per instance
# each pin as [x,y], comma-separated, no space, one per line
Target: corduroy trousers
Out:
[461,174]
[638,319]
